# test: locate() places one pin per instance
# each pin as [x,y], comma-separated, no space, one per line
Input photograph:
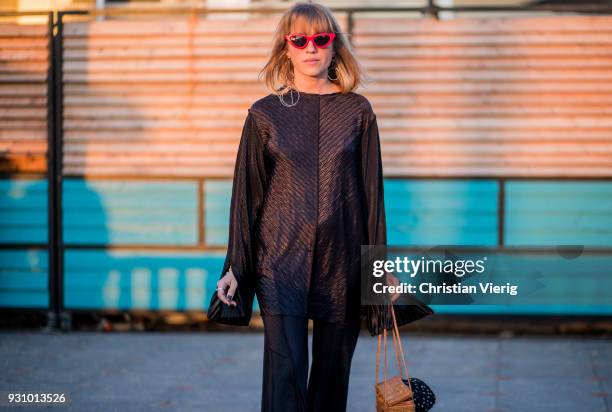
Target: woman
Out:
[307,193]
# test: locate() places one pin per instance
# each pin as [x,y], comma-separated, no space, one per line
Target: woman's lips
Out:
[311,61]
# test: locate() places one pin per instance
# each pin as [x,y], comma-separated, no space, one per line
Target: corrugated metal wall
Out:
[470,112]
[526,96]
[160,97]
[491,97]
[24,61]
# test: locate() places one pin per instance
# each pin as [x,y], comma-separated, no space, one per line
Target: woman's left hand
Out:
[393,280]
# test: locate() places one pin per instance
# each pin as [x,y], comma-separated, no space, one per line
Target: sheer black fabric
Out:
[307,193]
[248,190]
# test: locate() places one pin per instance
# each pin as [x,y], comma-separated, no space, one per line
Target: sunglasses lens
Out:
[322,40]
[299,41]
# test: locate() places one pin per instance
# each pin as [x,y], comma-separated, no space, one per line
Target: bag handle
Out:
[399,343]
[398,353]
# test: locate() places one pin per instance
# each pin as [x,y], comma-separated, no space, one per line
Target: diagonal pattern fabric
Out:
[307,193]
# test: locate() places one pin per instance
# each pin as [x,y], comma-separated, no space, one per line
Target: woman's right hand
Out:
[227,281]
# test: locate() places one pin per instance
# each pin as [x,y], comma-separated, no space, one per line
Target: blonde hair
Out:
[279,69]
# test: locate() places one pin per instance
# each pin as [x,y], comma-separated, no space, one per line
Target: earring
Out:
[280,97]
[291,89]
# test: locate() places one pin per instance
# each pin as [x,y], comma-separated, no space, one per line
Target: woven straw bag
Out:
[392,394]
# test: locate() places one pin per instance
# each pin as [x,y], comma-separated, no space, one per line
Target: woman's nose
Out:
[310,46]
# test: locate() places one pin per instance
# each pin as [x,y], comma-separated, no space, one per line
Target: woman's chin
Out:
[312,72]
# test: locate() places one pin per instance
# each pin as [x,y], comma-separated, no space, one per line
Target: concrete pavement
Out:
[221,371]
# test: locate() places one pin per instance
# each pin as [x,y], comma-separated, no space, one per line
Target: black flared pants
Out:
[286,384]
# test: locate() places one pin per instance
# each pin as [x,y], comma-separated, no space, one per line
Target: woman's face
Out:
[311,60]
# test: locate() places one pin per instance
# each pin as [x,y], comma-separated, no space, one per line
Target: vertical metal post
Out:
[201,212]
[53,308]
[65,317]
[57,317]
[501,212]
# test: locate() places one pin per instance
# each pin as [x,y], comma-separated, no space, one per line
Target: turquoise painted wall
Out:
[24,274]
[441,212]
[547,213]
[96,279]
[130,212]
[161,212]
[23,211]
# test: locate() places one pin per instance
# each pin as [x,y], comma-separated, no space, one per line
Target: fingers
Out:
[222,285]
[221,291]
[231,292]
[393,280]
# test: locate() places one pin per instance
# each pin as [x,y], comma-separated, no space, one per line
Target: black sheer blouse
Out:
[307,193]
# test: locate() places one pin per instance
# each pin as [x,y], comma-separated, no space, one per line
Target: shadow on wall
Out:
[127,126]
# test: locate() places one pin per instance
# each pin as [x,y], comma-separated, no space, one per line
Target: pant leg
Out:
[333,345]
[285,368]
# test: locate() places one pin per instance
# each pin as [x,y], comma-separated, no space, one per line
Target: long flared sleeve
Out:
[379,316]
[248,191]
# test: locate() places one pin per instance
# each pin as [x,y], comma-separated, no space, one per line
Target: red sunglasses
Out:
[300,41]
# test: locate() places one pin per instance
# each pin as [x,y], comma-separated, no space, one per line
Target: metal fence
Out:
[62,83]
